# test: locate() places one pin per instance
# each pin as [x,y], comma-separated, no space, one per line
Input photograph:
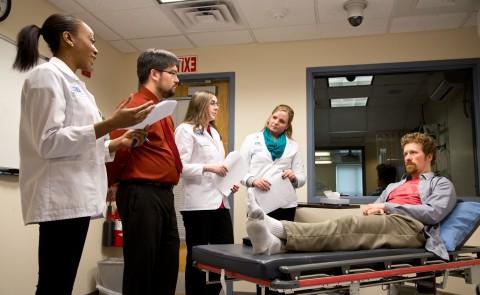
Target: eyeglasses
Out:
[174,74]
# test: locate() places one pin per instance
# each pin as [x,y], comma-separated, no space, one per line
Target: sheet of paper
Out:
[280,194]
[160,111]
[237,168]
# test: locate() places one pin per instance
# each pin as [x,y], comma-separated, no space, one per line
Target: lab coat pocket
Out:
[71,178]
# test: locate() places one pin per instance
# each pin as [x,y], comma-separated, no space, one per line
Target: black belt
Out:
[147,182]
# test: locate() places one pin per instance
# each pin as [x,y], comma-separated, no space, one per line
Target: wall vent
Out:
[445,91]
[202,16]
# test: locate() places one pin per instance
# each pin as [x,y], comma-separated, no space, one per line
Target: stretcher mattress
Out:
[240,259]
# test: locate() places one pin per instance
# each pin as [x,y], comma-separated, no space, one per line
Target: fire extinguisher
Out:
[117,230]
[108,227]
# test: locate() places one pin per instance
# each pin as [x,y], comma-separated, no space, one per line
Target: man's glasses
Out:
[174,74]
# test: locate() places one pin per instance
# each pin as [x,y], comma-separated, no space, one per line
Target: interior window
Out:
[341,170]
[364,118]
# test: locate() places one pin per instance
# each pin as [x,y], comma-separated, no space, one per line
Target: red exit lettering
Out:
[188,64]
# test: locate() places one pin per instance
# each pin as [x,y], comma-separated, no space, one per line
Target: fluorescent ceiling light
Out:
[322,154]
[322,162]
[348,102]
[350,81]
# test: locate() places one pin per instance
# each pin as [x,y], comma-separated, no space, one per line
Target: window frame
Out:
[388,68]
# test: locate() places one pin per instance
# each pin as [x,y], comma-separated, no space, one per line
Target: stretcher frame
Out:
[350,275]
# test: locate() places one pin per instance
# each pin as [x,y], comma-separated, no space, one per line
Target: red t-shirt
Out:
[406,194]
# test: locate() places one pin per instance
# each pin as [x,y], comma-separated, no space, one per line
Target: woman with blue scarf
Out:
[272,152]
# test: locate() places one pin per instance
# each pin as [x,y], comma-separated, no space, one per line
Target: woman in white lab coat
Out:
[63,146]
[272,153]
[206,214]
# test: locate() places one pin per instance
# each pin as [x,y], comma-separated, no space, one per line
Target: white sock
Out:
[274,226]
[263,241]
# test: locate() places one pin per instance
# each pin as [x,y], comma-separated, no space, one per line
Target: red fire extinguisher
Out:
[117,230]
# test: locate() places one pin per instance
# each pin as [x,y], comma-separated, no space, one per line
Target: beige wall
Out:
[266,75]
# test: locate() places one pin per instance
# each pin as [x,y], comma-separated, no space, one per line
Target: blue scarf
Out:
[276,148]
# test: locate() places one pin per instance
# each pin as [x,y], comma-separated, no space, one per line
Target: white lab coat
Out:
[260,162]
[62,164]
[197,149]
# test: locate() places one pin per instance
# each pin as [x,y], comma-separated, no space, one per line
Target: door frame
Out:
[230,77]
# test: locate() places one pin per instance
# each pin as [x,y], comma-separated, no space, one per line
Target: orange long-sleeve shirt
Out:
[152,161]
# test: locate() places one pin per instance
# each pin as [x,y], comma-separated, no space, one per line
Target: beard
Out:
[411,168]
[169,93]
[166,93]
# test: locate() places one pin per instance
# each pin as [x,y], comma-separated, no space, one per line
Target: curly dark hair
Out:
[428,143]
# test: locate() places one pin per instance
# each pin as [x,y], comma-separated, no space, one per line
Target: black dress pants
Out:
[60,248]
[150,238]
[204,227]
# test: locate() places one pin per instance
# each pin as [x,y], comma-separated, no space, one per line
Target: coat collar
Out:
[63,68]
[214,138]
[425,176]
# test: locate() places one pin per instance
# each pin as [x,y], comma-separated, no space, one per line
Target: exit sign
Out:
[188,64]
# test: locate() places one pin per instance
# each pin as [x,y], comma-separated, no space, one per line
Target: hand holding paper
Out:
[270,200]
[123,116]
[160,111]
[237,168]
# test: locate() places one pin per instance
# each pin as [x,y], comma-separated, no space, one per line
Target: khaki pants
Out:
[356,232]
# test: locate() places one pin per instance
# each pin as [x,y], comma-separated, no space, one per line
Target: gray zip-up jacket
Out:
[438,198]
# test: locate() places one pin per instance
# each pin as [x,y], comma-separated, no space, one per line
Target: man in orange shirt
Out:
[145,177]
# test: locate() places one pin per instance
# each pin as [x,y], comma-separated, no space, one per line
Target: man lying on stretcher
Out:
[406,215]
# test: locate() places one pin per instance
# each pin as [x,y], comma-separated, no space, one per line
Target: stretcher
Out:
[342,271]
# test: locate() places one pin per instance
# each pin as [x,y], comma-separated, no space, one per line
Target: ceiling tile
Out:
[99,28]
[221,38]
[274,13]
[112,5]
[427,22]
[399,79]
[139,23]
[433,7]
[369,26]
[173,42]
[123,46]
[348,92]
[68,6]
[332,10]
[286,33]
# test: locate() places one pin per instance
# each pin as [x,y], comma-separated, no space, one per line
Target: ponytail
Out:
[52,30]
[27,48]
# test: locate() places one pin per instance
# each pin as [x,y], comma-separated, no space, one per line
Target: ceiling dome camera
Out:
[354,10]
